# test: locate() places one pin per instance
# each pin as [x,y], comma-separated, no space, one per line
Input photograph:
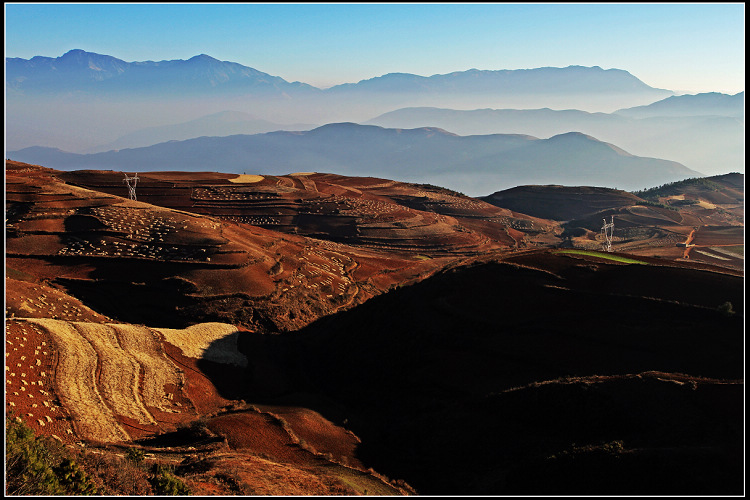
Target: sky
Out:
[687,48]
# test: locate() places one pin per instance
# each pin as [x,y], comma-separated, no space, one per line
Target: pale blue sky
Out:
[682,47]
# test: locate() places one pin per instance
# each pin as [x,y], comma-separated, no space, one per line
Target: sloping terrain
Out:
[562,203]
[114,384]
[363,211]
[666,221]
[467,382]
[385,330]
[140,263]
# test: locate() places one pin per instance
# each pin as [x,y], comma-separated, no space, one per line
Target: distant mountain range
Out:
[88,72]
[475,165]
[572,79]
[83,101]
[81,71]
[706,132]
[707,104]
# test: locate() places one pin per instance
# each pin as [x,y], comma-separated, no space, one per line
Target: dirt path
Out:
[690,237]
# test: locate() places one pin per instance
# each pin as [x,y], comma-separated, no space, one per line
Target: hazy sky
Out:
[681,47]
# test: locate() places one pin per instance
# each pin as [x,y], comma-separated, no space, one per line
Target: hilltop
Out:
[699,218]
[709,103]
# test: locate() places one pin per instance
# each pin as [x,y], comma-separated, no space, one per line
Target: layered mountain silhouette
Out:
[88,72]
[471,164]
[709,103]
[78,70]
[706,138]
[82,100]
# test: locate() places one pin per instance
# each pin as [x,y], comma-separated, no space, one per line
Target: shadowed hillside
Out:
[446,381]
[319,334]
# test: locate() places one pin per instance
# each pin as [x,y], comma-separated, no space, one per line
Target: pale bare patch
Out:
[76,382]
[158,371]
[708,254]
[705,204]
[194,342]
[303,173]
[246,179]
[120,373]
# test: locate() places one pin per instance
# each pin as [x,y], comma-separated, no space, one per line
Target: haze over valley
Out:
[374,249]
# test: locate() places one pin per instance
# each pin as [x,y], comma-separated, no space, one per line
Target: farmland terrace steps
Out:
[319,205]
[116,380]
[112,381]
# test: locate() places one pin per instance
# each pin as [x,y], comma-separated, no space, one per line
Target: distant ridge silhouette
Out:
[471,164]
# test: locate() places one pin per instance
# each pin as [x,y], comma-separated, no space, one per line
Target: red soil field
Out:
[110,286]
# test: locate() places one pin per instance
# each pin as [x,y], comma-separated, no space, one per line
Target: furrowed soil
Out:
[316,334]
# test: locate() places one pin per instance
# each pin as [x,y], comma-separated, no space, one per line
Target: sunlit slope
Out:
[136,262]
[363,211]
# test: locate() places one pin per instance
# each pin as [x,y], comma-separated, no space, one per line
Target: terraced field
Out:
[283,334]
[114,380]
[369,213]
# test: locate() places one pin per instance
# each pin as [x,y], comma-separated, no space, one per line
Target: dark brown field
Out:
[313,334]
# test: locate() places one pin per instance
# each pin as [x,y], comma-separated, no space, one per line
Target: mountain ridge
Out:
[423,155]
[222,72]
[706,103]
[50,99]
[709,144]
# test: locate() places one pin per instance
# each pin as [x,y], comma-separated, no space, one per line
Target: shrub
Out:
[685,203]
[165,483]
[134,455]
[37,465]
[726,309]
[115,475]
[74,479]
[28,462]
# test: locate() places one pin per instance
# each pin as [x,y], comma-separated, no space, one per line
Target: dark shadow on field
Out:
[419,375]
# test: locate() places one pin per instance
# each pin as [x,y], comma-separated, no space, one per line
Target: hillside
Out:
[468,164]
[560,202]
[269,279]
[320,334]
[700,218]
[530,361]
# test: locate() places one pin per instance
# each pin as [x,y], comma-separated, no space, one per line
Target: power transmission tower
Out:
[131,182]
[608,230]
